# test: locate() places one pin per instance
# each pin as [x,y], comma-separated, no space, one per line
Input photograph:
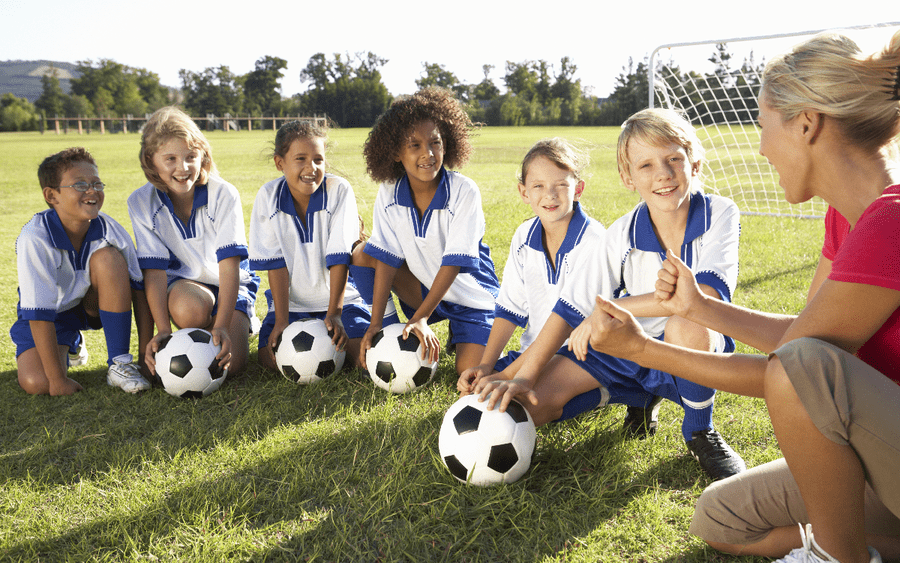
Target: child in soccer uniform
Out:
[428,227]
[302,230]
[189,228]
[77,270]
[560,247]
[660,157]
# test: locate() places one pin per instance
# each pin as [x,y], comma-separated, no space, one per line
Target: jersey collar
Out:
[403,192]
[573,232]
[60,240]
[698,222]
[284,202]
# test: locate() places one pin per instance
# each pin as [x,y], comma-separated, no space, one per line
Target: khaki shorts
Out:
[851,404]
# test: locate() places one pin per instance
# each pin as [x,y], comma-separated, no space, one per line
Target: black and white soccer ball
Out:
[486,447]
[187,365]
[304,352]
[396,365]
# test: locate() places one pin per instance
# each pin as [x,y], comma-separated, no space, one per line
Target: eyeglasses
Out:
[84,186]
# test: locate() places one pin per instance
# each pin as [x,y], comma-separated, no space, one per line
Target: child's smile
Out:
[662,175]
[551,191]
[72,204]
[303,166]
[422,154]
[178,165]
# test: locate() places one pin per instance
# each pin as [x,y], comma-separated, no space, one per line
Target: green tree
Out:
[114,88]
[215,91]
[17,114]
[437,75]
[348,90]
[52,100]
[521,79]
[262,86]
[630,95]
[486,89]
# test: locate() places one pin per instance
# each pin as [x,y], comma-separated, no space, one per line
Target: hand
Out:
[366,343]
[580,338]
[431,346]
[504,390]
[64,386]
[615,331]
[335,326]
[153,348]
[676,287]
[220,337]
[467,379]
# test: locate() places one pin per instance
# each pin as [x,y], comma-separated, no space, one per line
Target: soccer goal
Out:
[721,102]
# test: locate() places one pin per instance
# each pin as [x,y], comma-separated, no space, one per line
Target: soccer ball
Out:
[396,365]
[305,353]
[187,365]
[486,447]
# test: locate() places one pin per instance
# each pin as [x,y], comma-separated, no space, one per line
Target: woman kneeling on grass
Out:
[829,117]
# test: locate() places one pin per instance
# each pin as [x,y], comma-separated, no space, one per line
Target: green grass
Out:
[265,470]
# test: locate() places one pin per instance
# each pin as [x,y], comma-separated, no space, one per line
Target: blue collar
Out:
[698,222]
[574,231]
[201,198]
[403,192]
[284,201]
[59,239]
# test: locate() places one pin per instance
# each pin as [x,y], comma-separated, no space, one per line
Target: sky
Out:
[165,36]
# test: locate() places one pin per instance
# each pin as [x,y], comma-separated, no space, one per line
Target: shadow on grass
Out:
[346,475]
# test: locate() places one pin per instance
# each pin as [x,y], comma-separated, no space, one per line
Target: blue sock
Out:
[697,401]
[589,400]
[117,330]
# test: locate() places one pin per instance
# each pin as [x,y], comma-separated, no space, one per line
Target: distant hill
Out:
[23,78]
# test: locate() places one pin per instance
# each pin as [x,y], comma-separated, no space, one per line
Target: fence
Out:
[130,123]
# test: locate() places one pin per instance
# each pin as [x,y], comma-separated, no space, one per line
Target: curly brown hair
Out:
[393,126]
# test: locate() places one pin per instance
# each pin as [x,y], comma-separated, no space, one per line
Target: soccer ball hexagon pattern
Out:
[305,353]
[486,447]
[396,365]
[187,365]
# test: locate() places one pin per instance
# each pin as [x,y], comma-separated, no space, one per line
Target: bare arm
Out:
[338,284]
[501,332]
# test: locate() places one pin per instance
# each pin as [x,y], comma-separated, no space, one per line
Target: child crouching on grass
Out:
[191,244]
[77,270]
[428,227]
[302,230]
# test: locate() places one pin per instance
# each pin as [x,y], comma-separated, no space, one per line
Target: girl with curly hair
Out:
[428,227]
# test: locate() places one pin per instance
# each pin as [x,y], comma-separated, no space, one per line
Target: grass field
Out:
[265,470]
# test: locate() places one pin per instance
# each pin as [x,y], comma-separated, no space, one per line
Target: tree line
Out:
[348,90]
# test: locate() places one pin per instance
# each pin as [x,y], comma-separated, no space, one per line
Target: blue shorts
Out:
[356,320]
[68,324]
[467,325]
[246,297]
[623,376]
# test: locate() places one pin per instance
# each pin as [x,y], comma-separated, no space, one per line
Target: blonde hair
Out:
[658,127]
[829,74]
[168,123]
[561,153]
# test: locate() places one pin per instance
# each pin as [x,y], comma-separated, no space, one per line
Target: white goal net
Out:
[720,100]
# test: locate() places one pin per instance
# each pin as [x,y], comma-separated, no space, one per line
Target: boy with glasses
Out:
[77,270]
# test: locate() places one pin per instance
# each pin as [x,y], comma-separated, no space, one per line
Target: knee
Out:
[108,261]
[33,383]
[358,257]
[688,334]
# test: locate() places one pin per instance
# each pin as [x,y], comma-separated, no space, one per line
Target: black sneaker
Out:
[715,456]
[641,422]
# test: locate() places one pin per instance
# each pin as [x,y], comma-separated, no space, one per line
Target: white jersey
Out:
[531,286]
[191,250]
[279,239]
[583,274]
[450,233]
[53,275]
[710,250]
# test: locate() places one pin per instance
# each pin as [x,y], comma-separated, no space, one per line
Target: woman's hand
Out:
[615,331]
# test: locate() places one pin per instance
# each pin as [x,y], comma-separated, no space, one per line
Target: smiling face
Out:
[178,165]
[551,191]
[661,175]
[303,166]
[422,155]
[72,206]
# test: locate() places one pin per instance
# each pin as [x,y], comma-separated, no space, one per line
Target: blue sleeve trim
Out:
[153,263]
[715,282]
[467,264]
[270,264]
[501,313]
[38,314]
[238,250]
[383,256]
[340,259]
[568,313]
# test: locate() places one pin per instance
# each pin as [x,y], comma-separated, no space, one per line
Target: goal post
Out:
[722,104]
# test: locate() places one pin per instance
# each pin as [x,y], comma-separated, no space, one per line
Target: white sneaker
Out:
[812,553]
[80,357]
[255,326]
[126,375]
